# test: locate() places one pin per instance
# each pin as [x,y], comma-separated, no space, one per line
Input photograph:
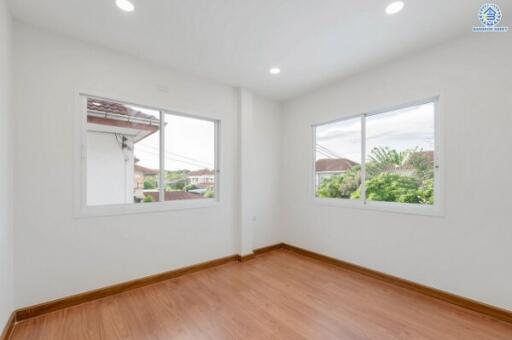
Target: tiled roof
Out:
[175,195]
[334,164]
[104,106]
[146,171]
[202,172]
[427,154]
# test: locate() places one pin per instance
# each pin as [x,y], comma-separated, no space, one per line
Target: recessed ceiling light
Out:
[125,5]
[395,7]
[275,70]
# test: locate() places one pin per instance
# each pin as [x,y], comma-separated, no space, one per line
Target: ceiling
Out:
[236,41]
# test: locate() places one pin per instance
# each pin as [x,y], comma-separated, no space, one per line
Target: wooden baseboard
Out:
[73,300]
[480,307]
[9,327]
[263,250]
[47,307]
[244,258]
[259,251]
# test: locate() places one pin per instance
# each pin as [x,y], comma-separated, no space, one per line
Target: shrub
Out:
[390,187]
[177,179]
[340,186]
[426,192]
[209,193]
[177,186]
[423,166]
[150,183]
[148,199]
[189,187]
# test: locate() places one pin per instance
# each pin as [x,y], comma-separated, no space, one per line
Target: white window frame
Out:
[82,210]
[437,209]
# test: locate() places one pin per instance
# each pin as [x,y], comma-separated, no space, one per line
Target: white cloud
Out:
[189,144]
[402,129]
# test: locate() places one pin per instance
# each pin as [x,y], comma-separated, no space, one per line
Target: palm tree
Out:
[384,159]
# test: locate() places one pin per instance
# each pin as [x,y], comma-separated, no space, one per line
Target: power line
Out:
[170,157]
[177,155]
[326,152]
[153,153]
[175,159]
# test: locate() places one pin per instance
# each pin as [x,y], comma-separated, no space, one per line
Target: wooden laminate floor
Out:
[278,295]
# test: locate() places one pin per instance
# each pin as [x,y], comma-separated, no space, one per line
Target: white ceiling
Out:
[237,41]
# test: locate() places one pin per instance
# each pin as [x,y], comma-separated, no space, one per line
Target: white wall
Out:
[109,170]
[246,190]
[6,192]
[468,251]
[266,171]
[259,192]
[65,255]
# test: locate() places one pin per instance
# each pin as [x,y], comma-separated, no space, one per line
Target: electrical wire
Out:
[172,155]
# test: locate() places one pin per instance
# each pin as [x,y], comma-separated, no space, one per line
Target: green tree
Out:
[330,187]
[176,180]
[390,187]
[392,176]
[150,183]
[178,185]
[209,193]
[426,192]
[423,166]
[191,186]
[341,186]
[383,159]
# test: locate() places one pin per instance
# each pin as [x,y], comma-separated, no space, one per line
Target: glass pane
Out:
[337,161]
[400,155]
[189,158]
[122,153]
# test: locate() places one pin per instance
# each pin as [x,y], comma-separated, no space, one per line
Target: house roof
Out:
[427,154]
[174,195]
[112,117]
[201,172]
[116,108]
[334,164]
[204,185]
[146,171]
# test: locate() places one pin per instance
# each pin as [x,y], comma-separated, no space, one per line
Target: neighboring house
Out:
[201,178]
[408,169]
[428,155]
[328,167]
[112,131]
[140,174]
[173,195]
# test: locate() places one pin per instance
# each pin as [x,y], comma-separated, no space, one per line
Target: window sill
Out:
[144,208]
[389,207]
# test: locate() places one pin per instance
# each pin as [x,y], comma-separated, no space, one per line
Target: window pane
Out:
[189,158]
[338,157]
[122,153]
[400,155]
